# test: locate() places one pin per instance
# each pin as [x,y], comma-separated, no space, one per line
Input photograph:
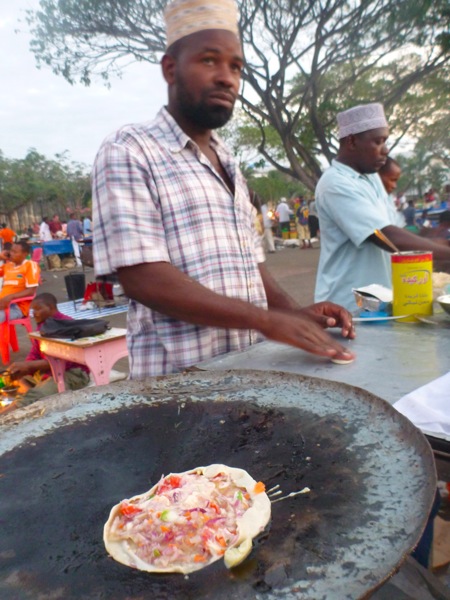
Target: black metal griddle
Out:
[64,462]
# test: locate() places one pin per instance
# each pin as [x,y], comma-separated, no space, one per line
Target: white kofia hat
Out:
[184,17]
[361,118]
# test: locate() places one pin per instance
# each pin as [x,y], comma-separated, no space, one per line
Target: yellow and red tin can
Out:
[412,284]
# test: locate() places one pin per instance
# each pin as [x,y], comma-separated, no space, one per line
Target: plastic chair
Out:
[37,257]
[8,335]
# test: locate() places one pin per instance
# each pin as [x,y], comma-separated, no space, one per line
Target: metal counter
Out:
[392,358]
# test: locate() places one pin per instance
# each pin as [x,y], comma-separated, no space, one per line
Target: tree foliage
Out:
[38,179]
[422,170]
[305,60]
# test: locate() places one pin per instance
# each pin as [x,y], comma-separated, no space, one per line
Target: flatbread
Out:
[188,521]
[342,361]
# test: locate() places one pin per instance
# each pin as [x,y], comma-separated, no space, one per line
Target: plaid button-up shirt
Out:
[156,198]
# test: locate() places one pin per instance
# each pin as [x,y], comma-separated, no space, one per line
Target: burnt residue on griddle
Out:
[56,494]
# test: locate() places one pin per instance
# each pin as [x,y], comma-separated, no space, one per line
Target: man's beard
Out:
[200,112]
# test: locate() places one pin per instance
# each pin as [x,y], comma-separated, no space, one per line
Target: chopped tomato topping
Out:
[214,506]
[169,483]
[129,509]
[199,558]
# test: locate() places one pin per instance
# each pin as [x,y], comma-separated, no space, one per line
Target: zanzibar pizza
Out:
[188,521]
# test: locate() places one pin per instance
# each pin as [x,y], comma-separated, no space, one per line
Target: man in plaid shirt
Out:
[172,216]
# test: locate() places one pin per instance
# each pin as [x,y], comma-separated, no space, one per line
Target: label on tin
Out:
[412,283]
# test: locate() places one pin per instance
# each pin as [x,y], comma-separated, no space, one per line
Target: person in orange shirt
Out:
[7,235]
[20,279]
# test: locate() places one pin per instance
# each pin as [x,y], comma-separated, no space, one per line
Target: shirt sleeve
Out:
[128,227]
[32,274]
[357,206]
[35,353]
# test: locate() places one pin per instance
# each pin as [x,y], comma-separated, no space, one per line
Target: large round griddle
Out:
[65,461]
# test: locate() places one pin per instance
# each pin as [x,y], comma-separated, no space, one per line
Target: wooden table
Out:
[99,353]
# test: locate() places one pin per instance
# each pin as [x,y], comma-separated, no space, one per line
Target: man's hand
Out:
[327,314]
[18,369]
[4,303]
[306,332]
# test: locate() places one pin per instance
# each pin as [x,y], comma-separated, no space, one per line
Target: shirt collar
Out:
[348,170]
[174,138]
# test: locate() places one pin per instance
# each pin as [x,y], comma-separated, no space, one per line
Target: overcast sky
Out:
[41,110]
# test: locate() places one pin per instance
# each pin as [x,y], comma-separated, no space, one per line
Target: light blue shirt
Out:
[350,207]
[87,226]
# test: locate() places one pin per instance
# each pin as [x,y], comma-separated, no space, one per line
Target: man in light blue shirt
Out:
[87,226]
[351,203]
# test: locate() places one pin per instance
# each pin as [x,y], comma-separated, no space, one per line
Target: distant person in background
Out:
[7,235]
[409,214]
[87,226]
[55,226]
[36,369]
[20,279]
[424,221]
[440,233]
[44,231]
[284,216]
[431,199]
[313,221]
[301,217]
[74,228]
[268,221]
[390,173]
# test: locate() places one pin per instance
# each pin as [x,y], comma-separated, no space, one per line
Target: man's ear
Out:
[168,68]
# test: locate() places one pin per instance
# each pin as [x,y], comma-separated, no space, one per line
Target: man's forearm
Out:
[17,295]
[407,241]
[277,298]
[165,289]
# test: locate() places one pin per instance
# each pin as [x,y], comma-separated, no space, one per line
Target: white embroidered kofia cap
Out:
[361,118]
[184,17]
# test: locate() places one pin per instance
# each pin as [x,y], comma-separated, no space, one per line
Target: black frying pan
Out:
[370,471]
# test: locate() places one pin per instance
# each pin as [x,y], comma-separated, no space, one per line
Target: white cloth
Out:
[428,407]
[45,234]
